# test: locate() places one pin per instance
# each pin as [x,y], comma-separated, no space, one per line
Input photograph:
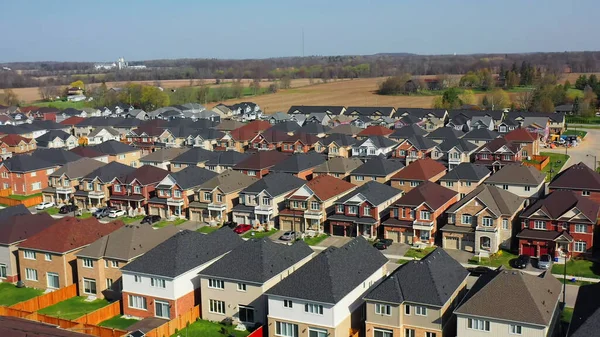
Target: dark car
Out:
[522,261]
[68,209]
[150,219]
[383,244]
[478,271]
[101,212]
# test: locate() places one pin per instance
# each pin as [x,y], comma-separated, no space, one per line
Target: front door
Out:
[162,309]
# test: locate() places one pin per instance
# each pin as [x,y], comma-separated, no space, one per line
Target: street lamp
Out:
[595,160]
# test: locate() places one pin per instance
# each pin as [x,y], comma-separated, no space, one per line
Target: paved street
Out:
[584,152]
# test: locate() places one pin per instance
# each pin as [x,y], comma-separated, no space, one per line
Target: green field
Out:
[557,161]
[23,197]
[581,268]
[63,104]
[73,308]
[9,294]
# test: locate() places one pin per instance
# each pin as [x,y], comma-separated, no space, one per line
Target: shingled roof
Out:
[379,166]
[194,156]
[299,162]
[110,171]
[577,177]
[339,165]
[78,169]
[26,163]
[192,177]
[228,181]
[375,130]
[20,227]
[112,147]
[326,187]
[467,172]
[261,160]
[497,200]
[408,131]
[429,193]
[515,174]
[421,170]
[276,184]
[374,192]
[55,156]
[586,315]
[557,203]
[146,175]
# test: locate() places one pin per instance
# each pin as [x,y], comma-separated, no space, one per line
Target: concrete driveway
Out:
[335,241]
[459,255]
[589,147]
[396,249]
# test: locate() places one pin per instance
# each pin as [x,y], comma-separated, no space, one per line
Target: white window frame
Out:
[158,282]
[359,178]
[90,281]
[578,228]
[290,330]
[114,263]
[579,246]
[3,271]
[504,223]
[216,284]
[466,219]
[50,274]
[425,215]
[242,287]
[29,255]
[384,333]
[514,329]
[312,308]
[137,279]
[420,310]
[48,257]
[87,263]
[288,304]
[137,302]
[527,188]
[539,224]
[585,193]
[216,307]
[478,324]
[383,309]
[487,221]
[315,205]
[162,304]
[414,183]
[31,274]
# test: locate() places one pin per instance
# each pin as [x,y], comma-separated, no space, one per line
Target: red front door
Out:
[528,250]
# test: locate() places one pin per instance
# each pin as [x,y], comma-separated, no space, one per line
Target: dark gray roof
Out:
[378,141]
[467,172]
[227,158]
[26,163]
[374,192]
[8,212]
[421,142]
[370,110]
[461,144]
[340,139]
[308,109]
[481,134]
[287,126]
[517,175]
[445,132]
[339,165]
[184,251]
[110,171]
[408,131]
[163,155]
[497,200]
[276,184]
[431,281]
[192,176]
[332,274]
[52,134]
[55,156]
[586,315]
[258,260]
[299,162]
[420,112]
[313,128]
[379,166]
[194,156]
[113,147]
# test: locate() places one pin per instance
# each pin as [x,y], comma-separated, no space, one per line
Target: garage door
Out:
[194,216]
[528,250]
[393,235]
[286,225]
[239,220]
[154,211]
[543,250]
[338,230]
[451,243]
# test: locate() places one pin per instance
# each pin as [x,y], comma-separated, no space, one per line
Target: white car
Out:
[44,205]
[115,213]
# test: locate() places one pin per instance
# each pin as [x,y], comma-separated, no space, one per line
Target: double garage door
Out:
[401,237]
[456,243]
[532,250]
[393,235]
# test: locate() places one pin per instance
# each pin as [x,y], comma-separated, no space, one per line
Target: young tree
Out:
[581,82]
[286,82]
[153,98]
[77,84]
[10,97]
[202,94]
[467,97]
[567,85]
[237,89]
[273,88]
[451,99]
[255,86]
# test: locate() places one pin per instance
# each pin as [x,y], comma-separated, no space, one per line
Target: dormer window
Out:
[117,188]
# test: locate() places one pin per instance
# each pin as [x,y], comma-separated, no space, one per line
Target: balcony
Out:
[64,190]
[312,214]
[174,202]
[96,194]
[263,209]
[426,225]
[216,207]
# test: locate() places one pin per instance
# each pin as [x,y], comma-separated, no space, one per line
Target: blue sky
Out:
[102,30]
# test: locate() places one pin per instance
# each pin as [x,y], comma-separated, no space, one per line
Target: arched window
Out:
[486,242]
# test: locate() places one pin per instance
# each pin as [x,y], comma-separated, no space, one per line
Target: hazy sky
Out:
[102,30]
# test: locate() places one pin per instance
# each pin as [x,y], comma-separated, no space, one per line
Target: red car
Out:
[242,228]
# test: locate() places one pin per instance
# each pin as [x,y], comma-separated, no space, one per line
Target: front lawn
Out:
[164,223]
[128,220]
[567,314]
[73,308]
[419,253]
[51,210]
[402,261]
[85,215]
[581,268]
[578,133]
[210,329]
[24,197]
[207,229]
[9,294]
[557,161]
[315,240]
[501,258]
[259,235]
[118,322]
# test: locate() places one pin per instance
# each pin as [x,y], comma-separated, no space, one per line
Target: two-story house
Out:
[562,224]
[85,151]
[453,152]
[360,212]
[373,146]
[268,140]
[524,181]
[480,137]
[260,203]
[416,173]
[324,297]
[531,302]
[215,198]
[338,167]
[336,145]
[307,207]
[13,144]
[56,139]
[225,160]
[239,139]
[464,178]
[98,265]
[119,152]
[103,134]
[370,111]
[195,156]
[408,131]
[417,216]
[379,169]
[530,142]
[46,258]
[440,134]
[482,221]
[299,143]
[580,179]
[95,187]
[64,182]
[417,299]
[414,148]
[132,192]
[162,158]
[203,138]
[374,130]
[165,282]
[300,165]
[499,153]
[25,174]
[259,164]
[239,292]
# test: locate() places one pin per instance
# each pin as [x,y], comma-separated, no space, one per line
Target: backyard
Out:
[501,258]
[210,329]
[419,253]
[581,268]
[259,235]
[24,197]
[557,160]
[73,308]
[13,295]
[118,322]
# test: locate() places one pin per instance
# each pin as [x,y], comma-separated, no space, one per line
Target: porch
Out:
[342,225]
[133,204]
[58,196]
[166,210]
[300,221]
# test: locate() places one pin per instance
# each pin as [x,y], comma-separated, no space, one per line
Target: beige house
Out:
[64,182]
[416,173]
[162,158]
[379,169]
[94,188]
[338,167]
[119,152]
[465,177]
[239,292]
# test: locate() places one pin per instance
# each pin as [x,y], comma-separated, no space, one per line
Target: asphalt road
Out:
[588,148]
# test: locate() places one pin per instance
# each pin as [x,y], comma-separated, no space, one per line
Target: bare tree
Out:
[524,99]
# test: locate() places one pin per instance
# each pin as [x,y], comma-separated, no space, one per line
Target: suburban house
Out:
[203,138]
[298,143]
[195,156]
[14,144]
[309,109]
[58,157]
[259,164]
[132,192]
[103,134]
[345,129]
[530,143]
[165,281]
[95,187]
[453,152]
[414,148]
[239,138]
[538,311]
[440,134]
[482,221]
[338,167]
[374,130]
[580,179]
[498,153]
[260,203]
[46,259]
[98,265]
[562,224]
[215,198]
[373,146]
[119,152]
[162,158]
[369,111]
[417,216]
[480,137]
[224,160]
[56,139]
[14,230]
[317,129]
[64,182]
[176,190]
[324,297]
[464,178]
[524,181]
[586,313]
[84,151]
[416,173]
[407,131]
[336,145]
[25,174]
[379,169]
[269,140]
[306,208]
[482,122]
[239,292]
[300,165]
[417,299]
[360,212]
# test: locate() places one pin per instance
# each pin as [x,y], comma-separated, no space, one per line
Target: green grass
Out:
[259,235]
[128,220]
[210,329]
[554,163]
[402,261]
[502,258]
[419,253]
[581,268]
[118,322]
[582,120]
[9,294]
[23,197]
[85,215]
[164,223]
[207,229]
[578,133]
[567,315]
[315,240]
[62,104]
[73,308]
[575,283]
[51,210]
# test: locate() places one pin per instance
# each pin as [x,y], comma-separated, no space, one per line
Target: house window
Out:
[462,195]
[414,183]
[158,282]
[137,189]
[507,157]
[48,257]
[359,178]
[53,281]
[241,286]
[383,309]
[449,184]
[486,243]
[539,224]
[314,332]
[109,283]
[487,221]
[340,208]
[121,156]
[352,209]
[137,278]
[367,211]
[504,223]
[29,254]
[207,196]
[467,183]
[89,187]
[580,246]
[407,309]
[315,206]
[585,193]
[87,263]
[286,329]
[372,152]
[266,201]
[313,308]
[177,193]
[402,153]
[31,274]
[484,156]
[216,284]
[403,212]
[176,165]
[287,304]
[580,228]
[217,307]
[515,329]
[527,188]
[2,270]
[4,174]
[430,334]
[89,287]
[252,173]
[117,188]
[246,314]
[136,302]
[425,215]
[409,333]
[505,187]
[466,219]
[33,174]
[478,324]
[161,309]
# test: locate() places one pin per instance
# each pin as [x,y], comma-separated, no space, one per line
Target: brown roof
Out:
[26,109]
[421,169]
[305,138]
[498,143]
[577,177]
[520,135]
[72,120]
[14,140]
[88,152]
[70,233]
[21,327]
[20,227]
[431,193]
[248,131]
[326,186]
[376,130]
[146,175]
[261,160]
[557,203]
[274,136]
[228,125]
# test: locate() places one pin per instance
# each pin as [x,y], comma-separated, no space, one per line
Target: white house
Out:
[373,146]
[524,181]
[103,134]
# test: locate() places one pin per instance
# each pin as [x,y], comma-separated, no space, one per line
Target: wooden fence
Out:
[5,192]
[102,314]
[29,202]
[46,300]
[177,323]
[539,162]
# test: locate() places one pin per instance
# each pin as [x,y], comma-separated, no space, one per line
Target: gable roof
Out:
[578,177]
[228,181]
[227,158]
[374,192]
[421,143]
[192,176]
[375,130]
[379,166]
[8,212]
[21,327]
[229,125]
[108,129]
[248,131]
[314,128]
[445,132]
[370,110]
[346,129]
[481,134]
[194,156]
[430,281]
[13,139]
[52,135]
[258,260]
[78,169]
[308,109]
[163,155]
[275,184]
[432,194]
[499,143]
[559,202]
[305,138]
[86,151]
[113,147]
[499,201]
[261,160]
[420,169]
[408,131]
[332,274]
[108,172]
[326,187]
[184,251]
[378,141]
[520,135]
[467,172]
[339,139]
[462,145]
[339,165]
[55,156]
[586,315]
[73,120]
[146,175]
[25,163]
[518,175]
[19,227]
[287,126]
[299,162]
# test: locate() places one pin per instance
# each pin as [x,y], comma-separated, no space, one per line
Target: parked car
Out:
[478,271]
[68,209]
[522,261]
[101,212]
[243,228]
[115,213]
[288,236]
[545,261]
[44,205]
[150,219]
[383,244]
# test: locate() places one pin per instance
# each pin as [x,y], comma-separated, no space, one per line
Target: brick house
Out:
[498,153]
[299,143]
[162,158]
[336,145]
[15,144]
[119,152]
[132,192]
[562,224]
[580,179]
[268,140]
[64,182]
[195,156]
[300,164]
[373,146]
[453,152]
[379,169]
[25,174]
[416,173]
[417,216]
[47,259]
[524,181]
[464,178]
[259,164]
[414,148]
[239,139]
[95,187]
[530,142]
[375,130]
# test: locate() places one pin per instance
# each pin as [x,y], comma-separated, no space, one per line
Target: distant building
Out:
[120,65]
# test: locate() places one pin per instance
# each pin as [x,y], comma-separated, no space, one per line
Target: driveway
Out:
[459,255]
[396,249]
[335,241]
[589,146]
